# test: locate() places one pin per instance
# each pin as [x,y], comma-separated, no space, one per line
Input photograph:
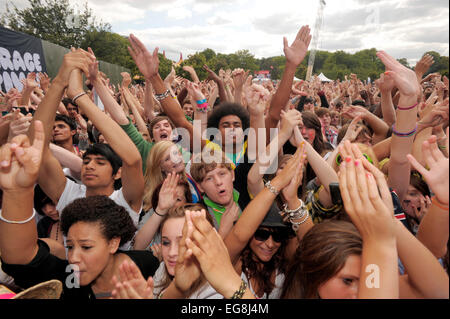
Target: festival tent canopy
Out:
[323,78]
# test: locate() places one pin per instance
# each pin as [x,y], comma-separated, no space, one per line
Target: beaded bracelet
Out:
[436,202]
[404,134]
[162,96]
[272,189]
[202,107]
[407,108]
[296,225]
[240,293]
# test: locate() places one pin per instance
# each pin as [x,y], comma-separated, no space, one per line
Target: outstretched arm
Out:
[132,177]
[401,144]
[20,163]
[294,56]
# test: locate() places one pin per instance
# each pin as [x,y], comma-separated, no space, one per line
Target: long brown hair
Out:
[262,271]
[322,253]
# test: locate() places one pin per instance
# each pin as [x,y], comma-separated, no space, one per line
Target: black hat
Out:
[273,218]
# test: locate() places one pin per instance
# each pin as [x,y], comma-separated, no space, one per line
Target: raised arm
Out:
[131,172]
[167,199]
[433,229]
[20,163]
[294,56]
[386,85]
[51,176]
[257,209]
[403,134]
[368,206]
[148,64]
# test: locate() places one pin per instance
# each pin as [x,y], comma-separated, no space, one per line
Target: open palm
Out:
[297,51]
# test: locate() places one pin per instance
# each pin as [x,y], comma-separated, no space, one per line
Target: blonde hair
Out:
[154,176]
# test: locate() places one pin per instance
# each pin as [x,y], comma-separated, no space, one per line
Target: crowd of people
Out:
[231,187]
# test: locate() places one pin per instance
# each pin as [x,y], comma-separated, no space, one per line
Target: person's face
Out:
[89,251]
[181,196]
[171,234]
[146,136]
[218,185]
[230,128]
[364,139]
[308,106]
[266,249]
[162,131]
[325,120]
[188,110]
[412,201]
[49,210]
[335,120]
[172,161]
[62,132]
[344,285]
[309,134]
[96,171]
[72,110]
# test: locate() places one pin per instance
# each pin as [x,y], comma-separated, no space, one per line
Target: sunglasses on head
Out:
[339,159]
[277,235]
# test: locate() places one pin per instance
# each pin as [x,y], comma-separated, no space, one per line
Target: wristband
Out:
[17,222]
[160,215]
[407,108]
[76,97]
[199,102]
[404,134]
[436,202]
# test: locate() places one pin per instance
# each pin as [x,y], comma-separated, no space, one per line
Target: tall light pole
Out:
[315,39]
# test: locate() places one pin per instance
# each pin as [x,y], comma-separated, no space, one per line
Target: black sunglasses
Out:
[277,235]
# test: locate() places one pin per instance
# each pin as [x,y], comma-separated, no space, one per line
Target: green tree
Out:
[52,20]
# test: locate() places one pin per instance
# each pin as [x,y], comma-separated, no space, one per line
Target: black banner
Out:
[20,54]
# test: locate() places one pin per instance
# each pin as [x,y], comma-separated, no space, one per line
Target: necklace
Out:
[57,230]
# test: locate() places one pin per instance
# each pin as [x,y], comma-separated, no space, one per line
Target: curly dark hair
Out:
[114,219]
[252,269]
[225,109]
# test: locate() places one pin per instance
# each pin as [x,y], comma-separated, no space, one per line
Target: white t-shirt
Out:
[74,191]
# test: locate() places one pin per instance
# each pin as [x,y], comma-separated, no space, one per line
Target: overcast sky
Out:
[403,28]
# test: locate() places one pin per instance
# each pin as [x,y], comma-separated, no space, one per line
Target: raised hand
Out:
[385,84]
[19,124]
[187,269]
[44,81]
[423,65]
[366,196]
[290,192]
[20,161]
[298,49]
[212,255]
[289,120]
[131,284]
[285,176]
[168,192]
[239,77]
[211,74]
[437,174]
[405,79]
[147,63]
[194,91]
[76,59]
[257,98]
[126,79]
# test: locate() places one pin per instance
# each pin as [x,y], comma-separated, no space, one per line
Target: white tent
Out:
[296,79]
[323,78]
